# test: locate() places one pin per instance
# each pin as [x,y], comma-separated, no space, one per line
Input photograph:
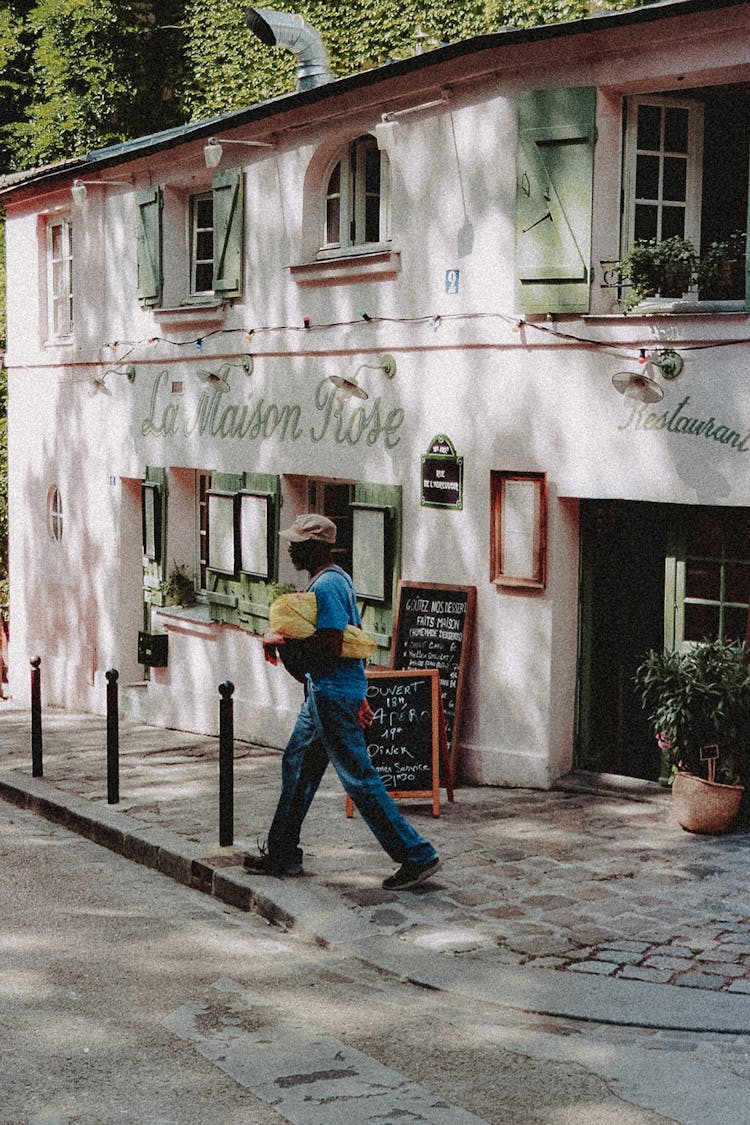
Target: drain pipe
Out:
[290,30]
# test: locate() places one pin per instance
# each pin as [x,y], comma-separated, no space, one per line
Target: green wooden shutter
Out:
[154,572]
[149,245]
[554,192]
[228,231]
[378,619]
[253,604]
[223,593]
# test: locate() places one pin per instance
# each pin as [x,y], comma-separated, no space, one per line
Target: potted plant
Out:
[666,269]
[697,702]
[178,588]
[721,271]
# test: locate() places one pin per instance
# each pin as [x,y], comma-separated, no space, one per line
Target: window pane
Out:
[334,184]
[647,177]
[204,272]
[333,218]
[701,621]
[737,582]
[702,579]
[372,169]
[676,130]
[372,218]
[204,212]
[675,178]
[205,246]
[737,534]
[645,221]
[735,624]
[649,126]
[672,222]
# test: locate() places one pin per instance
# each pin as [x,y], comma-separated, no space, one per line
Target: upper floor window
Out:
[686,175]
[357,197]
[213,267]
[59,277]
[201,243]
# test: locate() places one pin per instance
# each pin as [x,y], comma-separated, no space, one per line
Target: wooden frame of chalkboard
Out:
[407,737]
[431,629]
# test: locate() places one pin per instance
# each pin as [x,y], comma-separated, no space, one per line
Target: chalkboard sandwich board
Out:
[405,740]
[432,629]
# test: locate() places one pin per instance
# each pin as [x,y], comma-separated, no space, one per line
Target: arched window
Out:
[54,513]
[357,197]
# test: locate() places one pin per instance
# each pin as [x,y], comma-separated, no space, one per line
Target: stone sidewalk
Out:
[576,901]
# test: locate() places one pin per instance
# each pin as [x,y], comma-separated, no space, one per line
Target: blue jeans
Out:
[326,731]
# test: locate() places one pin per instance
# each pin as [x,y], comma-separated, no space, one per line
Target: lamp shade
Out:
[212,153]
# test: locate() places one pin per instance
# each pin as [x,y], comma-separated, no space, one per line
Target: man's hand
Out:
[271,642]
[365,716]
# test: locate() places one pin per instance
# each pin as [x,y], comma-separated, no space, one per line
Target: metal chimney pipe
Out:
[290,30]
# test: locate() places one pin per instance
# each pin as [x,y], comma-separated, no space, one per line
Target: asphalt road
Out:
[126,997]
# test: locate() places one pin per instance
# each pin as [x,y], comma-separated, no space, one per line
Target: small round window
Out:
[54,513]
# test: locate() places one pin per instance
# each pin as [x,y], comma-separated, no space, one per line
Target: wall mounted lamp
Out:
[640,385]
[347,385]
[79,190]
[213,148]
[385,130]
[219,380]
[99,384]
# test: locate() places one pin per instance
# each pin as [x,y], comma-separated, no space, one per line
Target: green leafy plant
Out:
[721,271]
[276,589]
[178,587]
[697,698]
[667,268]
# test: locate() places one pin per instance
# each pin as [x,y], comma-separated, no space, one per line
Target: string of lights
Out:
[433,320]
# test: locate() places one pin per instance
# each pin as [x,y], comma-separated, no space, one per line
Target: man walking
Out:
[329,727]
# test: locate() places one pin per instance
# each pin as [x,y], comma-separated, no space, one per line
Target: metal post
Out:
[226,764]
[113,738]
[37,769]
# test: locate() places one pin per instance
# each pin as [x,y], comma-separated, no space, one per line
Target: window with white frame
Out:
[190,244]
[201,243]
[686,161]
[357,200]
[59,236]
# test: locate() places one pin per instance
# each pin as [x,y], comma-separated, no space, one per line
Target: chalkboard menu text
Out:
[432,630]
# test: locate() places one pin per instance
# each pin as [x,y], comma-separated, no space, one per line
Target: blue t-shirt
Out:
[337,608]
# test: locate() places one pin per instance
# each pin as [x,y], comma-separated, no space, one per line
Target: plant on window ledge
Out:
[721,272]
[178,588]
[666,269]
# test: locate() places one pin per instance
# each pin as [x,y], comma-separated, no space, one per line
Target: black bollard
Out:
[37,768]
[226,764]
[113,738]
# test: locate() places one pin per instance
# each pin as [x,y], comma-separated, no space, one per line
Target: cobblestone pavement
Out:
[602,883]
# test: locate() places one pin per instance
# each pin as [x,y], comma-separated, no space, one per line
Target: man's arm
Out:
[313,654]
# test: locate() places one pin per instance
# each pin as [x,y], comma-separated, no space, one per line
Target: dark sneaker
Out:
[264,864]
[410,874]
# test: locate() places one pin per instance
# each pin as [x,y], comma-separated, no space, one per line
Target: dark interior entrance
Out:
[623,550]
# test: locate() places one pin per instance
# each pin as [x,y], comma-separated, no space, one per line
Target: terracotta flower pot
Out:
[704,806]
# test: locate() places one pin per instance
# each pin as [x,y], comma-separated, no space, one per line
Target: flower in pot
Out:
[178,587]
[721,271]
[697,702]
[667,269]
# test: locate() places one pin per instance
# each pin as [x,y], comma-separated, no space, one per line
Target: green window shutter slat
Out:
[149,245]
[554,195]
[228,232]
[376,619]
